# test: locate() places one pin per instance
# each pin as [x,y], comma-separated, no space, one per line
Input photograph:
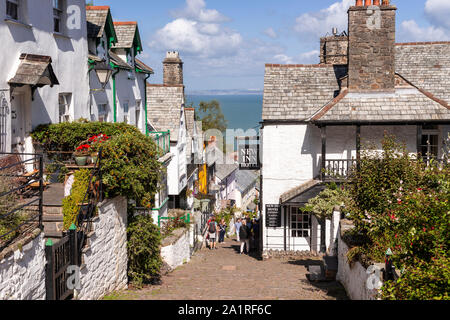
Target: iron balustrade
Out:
[162,140]
[21,194]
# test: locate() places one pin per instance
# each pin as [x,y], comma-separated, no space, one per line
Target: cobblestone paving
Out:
[224,274]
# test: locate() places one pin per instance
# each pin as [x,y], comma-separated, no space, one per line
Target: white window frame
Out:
[138,113]
[126,114]
[102,114]
[18,7]
[295,230]
[67,101]
[428,133]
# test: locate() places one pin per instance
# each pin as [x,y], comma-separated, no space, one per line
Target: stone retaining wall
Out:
[22,269]
[105,262]
[176,249]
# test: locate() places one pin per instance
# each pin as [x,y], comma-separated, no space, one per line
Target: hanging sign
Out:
[249,153]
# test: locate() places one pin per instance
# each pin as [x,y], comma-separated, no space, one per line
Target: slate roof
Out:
[164,108]
[125,34]
[96,17]
[118,61]
[34,70]
[313,92]
[426,65]
[245,179]
[295,92]
[225,170]
[403,105]
[141,65]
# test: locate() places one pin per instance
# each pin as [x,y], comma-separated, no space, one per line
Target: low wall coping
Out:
[174,237]
[17,245]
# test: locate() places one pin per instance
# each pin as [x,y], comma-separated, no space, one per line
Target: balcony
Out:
[337,170]
[162,140]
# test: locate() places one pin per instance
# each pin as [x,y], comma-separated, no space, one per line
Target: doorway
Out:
[299,229]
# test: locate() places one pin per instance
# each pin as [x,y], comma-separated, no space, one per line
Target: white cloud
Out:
[271,33]
[196,10]
[317,24]
[438,12]
[411,31]
[310,57]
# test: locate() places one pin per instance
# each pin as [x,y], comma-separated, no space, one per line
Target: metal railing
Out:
[21,195]
[162,140]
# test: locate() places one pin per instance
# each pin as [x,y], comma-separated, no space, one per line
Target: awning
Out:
[302,193]
[35,71]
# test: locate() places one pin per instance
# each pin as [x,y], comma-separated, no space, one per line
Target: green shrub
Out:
[130,168]
[70,204]
[144,250]
[68,136]
[170,225]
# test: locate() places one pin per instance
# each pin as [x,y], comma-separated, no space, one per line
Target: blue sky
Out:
[225,43]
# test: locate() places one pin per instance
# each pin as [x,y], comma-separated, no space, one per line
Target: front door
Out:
[18,123]
[299,230]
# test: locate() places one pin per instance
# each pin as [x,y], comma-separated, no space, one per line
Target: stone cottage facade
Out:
[320,116]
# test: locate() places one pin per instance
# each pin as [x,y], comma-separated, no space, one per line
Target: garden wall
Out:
[176,249]
[105,261]
[353,277]
[22,269]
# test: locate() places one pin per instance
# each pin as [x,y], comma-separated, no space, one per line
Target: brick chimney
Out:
[172,69]
[371,58]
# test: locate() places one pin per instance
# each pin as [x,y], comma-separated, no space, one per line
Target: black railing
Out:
[338,169]
[93,195]
[59,257]
[21,189]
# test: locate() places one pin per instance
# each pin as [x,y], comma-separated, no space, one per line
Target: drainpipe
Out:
[145,104]
[114,90]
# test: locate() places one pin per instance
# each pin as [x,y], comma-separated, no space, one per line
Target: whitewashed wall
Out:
[68,52]
[22,273]
[176,250]
[106,261]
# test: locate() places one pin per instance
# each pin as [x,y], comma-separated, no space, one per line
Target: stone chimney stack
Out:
[173,69]
[371,55]
[334,49]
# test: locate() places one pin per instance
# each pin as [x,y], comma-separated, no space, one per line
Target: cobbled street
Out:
[224,274]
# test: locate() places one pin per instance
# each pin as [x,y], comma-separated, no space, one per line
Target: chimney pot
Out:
[376,2]
[385,2]
[359,3]
[367,3]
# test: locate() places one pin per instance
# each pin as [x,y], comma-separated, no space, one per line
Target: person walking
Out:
[222,230]
[244,234]
[212,233]
[237,226]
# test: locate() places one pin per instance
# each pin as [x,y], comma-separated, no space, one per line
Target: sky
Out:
[225,44]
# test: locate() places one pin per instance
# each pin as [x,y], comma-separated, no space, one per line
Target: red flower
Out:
[424,229]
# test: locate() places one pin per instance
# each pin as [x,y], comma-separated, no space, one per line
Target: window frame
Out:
[58,14]
[65,116]
[295,231]
[430,132]
[17,8]
[126,114]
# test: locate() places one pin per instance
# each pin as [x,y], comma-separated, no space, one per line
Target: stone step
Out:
[52,209]
[52,217]
[54,235]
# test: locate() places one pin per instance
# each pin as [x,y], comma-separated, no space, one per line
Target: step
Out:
[53,234]
[52,209]
[52,217]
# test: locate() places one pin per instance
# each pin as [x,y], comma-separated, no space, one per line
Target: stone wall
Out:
[22,269]
[334,50]
[105,261]
[354,277]
[371,48]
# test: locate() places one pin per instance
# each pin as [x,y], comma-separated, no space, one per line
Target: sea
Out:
[241,111]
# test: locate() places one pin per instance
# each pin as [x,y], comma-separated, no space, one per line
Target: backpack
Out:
[212,227]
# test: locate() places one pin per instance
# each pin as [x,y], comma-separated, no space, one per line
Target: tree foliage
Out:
[210,113]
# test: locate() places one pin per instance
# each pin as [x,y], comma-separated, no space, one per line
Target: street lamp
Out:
[103,71]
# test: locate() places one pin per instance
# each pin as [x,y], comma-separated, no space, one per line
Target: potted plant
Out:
[95,145]
[81,154]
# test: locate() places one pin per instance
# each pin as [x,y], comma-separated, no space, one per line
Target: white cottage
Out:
[166,118]
[44,76]
[318,116]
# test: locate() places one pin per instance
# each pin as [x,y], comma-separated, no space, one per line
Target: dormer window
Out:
[12,9]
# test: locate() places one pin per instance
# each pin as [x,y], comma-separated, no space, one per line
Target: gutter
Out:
[145,105]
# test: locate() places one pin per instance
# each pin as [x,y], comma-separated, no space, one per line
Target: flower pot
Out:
[81,160]
[94,159]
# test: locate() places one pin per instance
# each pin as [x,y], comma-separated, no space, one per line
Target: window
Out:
[12,9]
[64,107]
[300,223]
[102,112]
[125,112]
[57,16]
[429,147]
[138,113]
